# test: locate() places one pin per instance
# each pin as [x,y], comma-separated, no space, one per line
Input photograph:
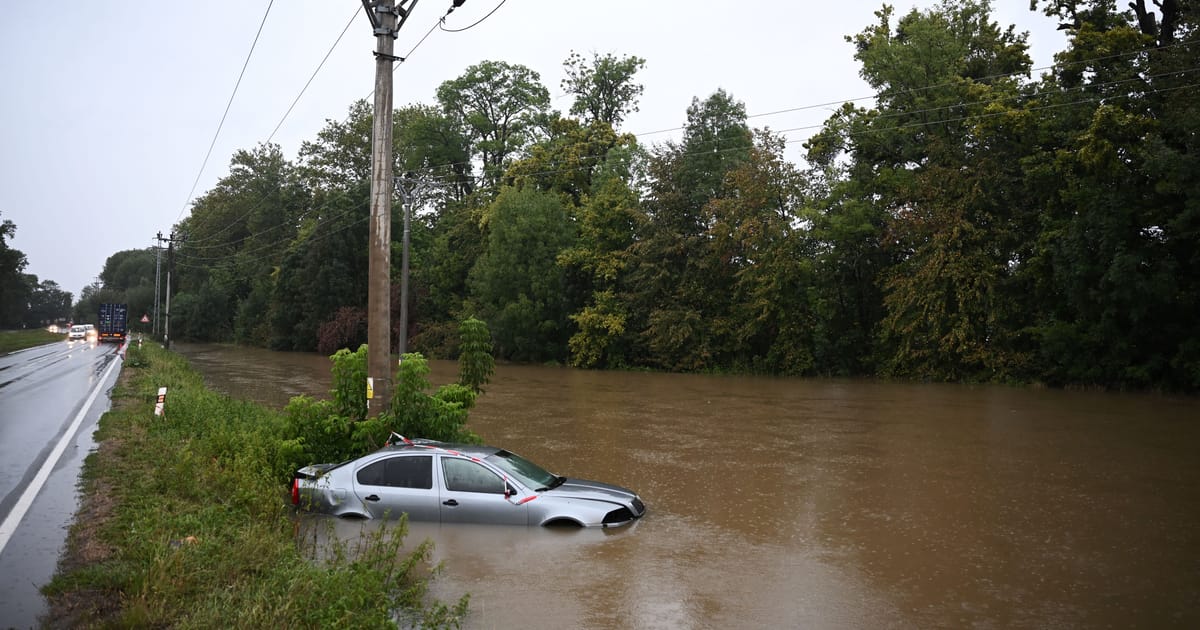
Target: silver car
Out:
[460,483]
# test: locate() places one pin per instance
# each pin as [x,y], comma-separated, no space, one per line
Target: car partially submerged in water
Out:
[460,483]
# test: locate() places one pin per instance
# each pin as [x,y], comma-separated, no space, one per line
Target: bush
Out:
[201,532]
[348,327]
[475,363]
[335,430]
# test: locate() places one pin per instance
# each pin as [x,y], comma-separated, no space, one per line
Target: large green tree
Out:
[1118,248]
[48,304]
[517,282]
[603,87]
[323,269]
[232,245]
[127,278]
[608,219]
[500,108]
[678,286]
[14,287]
[946,224]
[760,236]
[431,145]
[568,158]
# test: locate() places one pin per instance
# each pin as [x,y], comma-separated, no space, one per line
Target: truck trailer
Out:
[113,322]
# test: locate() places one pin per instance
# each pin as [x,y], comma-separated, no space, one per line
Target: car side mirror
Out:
[509,491]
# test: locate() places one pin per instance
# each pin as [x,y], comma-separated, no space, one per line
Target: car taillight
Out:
[295,491]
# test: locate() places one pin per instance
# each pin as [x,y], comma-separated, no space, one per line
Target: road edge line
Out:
[9,526]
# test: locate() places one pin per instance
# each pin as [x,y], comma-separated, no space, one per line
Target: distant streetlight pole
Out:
[410,197]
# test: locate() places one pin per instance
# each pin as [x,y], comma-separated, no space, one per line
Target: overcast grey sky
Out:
[110,106]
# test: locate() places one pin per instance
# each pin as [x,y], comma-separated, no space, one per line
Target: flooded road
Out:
[819,503]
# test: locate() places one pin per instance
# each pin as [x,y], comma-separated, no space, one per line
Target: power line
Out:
[459,30]
[594,160]
[272,249]
[353,15]
[456,177]
[948,107]
[415,47]
[318,234]
[1036,108]
[227,106]
[401,60]
[314,74]
[1014,97]
[948,84]
[263,199]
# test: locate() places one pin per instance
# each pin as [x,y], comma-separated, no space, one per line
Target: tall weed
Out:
[201,531]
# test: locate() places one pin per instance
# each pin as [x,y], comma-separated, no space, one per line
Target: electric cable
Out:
[890,115]
[183,256]
[950,83]
[288,113]
[314,74]
[477,23]
[283,242]
[455,178]
[227,106]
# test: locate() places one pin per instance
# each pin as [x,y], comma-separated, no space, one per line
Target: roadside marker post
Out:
[160,406]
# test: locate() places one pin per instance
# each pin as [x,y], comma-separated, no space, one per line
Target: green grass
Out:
[200,532]
[11,340]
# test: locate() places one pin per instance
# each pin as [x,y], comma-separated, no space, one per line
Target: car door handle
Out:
[450,502]
[372,497]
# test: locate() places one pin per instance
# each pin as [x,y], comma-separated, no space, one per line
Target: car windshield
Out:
[524,470]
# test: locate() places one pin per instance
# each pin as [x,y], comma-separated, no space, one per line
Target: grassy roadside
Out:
[13,340]
[185,522]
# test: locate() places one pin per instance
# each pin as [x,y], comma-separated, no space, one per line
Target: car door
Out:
[473,493]
[398,484]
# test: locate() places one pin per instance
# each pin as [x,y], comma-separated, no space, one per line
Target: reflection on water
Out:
[818,503]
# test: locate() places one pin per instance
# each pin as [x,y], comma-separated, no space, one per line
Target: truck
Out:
[113,322]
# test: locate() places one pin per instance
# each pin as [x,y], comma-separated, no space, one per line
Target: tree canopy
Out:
[974,223]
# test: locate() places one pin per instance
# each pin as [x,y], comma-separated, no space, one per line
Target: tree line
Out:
[25,301]
[976,223]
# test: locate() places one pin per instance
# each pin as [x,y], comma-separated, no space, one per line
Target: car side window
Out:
[412,471]
[463,475]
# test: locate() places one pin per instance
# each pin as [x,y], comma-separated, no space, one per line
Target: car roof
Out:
[470,450]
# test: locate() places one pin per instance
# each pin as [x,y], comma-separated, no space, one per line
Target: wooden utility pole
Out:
[386,19]
[167,313]
[157,281]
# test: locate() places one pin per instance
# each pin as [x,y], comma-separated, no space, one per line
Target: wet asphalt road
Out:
[49,395]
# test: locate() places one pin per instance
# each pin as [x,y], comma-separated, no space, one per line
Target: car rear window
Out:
[404,471]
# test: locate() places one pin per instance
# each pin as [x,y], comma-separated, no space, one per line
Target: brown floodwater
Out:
[807,503]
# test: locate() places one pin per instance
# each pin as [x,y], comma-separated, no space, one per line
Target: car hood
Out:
[594,490]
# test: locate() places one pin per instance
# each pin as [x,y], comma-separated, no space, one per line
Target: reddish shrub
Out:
[347,329]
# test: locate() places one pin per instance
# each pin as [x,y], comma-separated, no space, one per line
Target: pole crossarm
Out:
[379,8]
